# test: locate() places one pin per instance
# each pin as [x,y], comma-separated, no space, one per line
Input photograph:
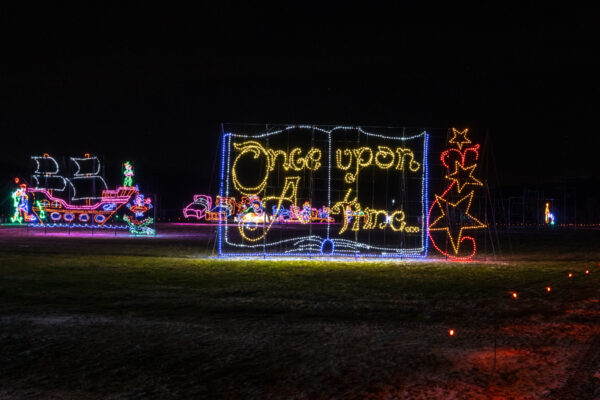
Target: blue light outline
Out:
[220,233]
[92,226]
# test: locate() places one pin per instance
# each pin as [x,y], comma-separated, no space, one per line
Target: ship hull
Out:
[58,211]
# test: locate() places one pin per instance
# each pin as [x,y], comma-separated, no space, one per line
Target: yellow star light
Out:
[460,137]
[463,176]
[451,230]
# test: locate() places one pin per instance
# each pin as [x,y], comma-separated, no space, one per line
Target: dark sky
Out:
[153,85]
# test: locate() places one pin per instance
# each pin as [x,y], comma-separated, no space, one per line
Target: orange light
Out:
[451,332]
[514,295]
[570,274]
[548,289]
[17,180]
[587,271]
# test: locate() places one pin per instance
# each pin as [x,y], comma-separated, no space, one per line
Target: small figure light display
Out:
[21,205]
[140,222]
[548,216]
[127,174]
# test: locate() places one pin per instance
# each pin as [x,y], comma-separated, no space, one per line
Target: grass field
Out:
[115,318]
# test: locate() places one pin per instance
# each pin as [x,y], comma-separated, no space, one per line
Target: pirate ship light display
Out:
[80,200]
[73,201]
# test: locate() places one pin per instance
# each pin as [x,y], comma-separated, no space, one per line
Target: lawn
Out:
[107,318]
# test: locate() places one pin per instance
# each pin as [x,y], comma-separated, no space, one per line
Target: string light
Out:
[199,207]
[64,214]
[254,229]
[77,225]
[363,157]
[459,171]
[42,212]
[548,216]
[87,159]
[99,212]
[127,174]
[353,212]
[58,183]
[139,223]
[438,223]
[21,206]
[460,138]
[461,176]
[48,175]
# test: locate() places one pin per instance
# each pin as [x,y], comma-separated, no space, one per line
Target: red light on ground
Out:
[570,275]
[548,289]
[587,271]
[17,180]
[451,332]
[514,295]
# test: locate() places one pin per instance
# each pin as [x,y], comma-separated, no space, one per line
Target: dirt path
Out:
[584,382]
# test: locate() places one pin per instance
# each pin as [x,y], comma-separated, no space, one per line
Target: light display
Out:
[127,174]
[140,222]
[548,216]
[64,214]
[450,214]
[310,190]
[201,209]
[73,202]
[459,138]
[86,182]
[198,208]
[45,174]
[21,205]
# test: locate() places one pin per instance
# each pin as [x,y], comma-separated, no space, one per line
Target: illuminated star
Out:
[460,137]
[463,176]
[454,227]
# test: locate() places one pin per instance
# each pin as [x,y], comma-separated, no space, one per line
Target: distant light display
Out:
[450,214]
[314,191]
[548,216]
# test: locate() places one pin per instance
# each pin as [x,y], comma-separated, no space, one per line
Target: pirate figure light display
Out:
[139,223]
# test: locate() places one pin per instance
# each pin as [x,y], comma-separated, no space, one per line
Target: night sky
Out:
[153,85]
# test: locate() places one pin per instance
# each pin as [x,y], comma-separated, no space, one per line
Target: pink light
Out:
[199,207]
[108,196]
